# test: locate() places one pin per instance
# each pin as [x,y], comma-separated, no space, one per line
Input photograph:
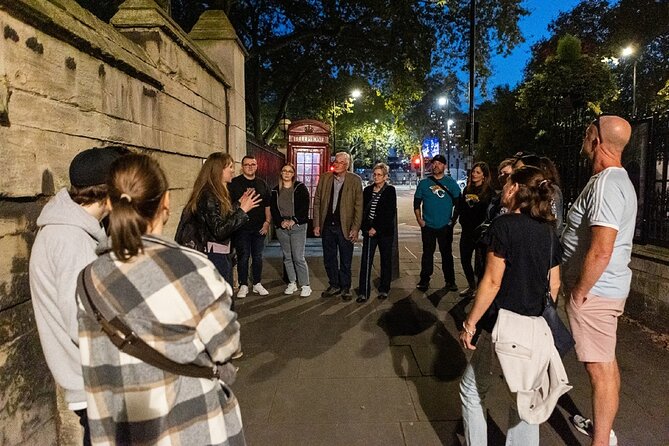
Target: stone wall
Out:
[69,82]
[648,301]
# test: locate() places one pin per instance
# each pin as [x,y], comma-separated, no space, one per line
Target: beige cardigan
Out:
[531,364]
[351,201]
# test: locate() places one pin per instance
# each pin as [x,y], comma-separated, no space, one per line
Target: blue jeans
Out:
[474,386]
[223,264]
[338,270]
[292,243]
[249,244]
[369,245]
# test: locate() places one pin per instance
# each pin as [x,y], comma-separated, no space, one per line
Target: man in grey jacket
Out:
[69,233]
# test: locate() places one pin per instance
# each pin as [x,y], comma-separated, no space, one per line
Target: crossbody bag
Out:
[127,341]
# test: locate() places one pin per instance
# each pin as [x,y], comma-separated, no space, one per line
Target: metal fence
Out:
[646,160]
[269,161]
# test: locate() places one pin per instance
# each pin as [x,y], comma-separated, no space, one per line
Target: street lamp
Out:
[355,94]
[627,52]
[442,101]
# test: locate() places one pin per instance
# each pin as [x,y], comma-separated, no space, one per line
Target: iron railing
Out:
[646,160]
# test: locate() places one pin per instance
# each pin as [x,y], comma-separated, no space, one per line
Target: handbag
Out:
[562,337]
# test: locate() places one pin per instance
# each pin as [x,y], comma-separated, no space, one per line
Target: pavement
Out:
[327,372]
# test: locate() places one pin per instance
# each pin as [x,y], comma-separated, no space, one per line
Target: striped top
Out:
[174,299]
[372,205]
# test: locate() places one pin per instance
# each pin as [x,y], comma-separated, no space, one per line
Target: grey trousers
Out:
[292,244]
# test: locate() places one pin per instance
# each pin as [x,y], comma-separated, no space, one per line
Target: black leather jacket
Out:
[213,226]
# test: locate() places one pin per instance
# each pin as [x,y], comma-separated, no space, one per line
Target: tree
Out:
[391,44]
[566,84]
[504,129]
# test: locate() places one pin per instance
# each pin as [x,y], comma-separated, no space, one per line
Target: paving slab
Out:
[321,434]
[344,400]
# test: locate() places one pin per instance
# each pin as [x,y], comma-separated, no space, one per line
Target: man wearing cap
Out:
[69,232]
[437,195]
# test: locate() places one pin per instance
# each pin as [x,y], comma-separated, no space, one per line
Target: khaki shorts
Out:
[594,326]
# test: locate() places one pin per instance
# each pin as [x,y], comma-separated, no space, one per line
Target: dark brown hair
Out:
[137,185]
[88,195]
[486,186]
[210,179]
[535,193]
[550,171]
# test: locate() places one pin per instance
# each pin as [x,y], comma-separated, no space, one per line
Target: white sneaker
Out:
[259,289]
[243,291]
[291,288]
[306,291]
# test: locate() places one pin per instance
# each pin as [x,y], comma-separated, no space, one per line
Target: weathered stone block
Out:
[27,397]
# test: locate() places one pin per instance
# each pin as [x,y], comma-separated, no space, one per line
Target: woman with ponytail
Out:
[155,327]
[522,249]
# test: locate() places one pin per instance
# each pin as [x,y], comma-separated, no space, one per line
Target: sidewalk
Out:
[326,372]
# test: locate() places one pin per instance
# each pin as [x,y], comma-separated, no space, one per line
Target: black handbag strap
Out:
[549,297]
[128,342]
[444,188]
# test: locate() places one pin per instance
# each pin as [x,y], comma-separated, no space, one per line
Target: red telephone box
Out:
[309,152]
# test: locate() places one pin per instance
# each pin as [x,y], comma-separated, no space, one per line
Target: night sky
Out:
[509,70]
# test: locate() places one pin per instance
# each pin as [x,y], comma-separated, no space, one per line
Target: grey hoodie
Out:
[64,245]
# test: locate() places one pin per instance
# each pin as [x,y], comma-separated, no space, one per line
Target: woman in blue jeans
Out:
[522,249]
[289,205]
[379,213]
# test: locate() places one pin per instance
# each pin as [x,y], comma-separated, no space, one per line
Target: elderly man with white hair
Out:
[337,219]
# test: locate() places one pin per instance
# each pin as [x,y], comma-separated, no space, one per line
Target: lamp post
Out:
[355,94]
[626,52]
[442,101]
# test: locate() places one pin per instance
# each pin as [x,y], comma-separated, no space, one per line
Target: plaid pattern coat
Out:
[175,300]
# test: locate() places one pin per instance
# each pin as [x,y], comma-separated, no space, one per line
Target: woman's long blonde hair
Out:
[210,179]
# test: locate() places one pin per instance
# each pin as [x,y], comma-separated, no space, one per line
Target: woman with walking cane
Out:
[379,204]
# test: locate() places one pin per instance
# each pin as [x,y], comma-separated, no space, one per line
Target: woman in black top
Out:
[210,217]
[379,223]
[289,205]
[522,249]
[472,209]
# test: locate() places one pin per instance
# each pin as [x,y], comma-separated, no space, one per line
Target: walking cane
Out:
[369,267]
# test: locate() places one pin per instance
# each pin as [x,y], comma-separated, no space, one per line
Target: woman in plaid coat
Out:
[173,299]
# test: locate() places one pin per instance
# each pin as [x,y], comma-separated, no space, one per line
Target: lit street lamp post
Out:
[628,51]
[355,94]
[443,101]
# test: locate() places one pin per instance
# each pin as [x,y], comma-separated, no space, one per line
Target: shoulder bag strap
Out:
[443,188]
[128,342]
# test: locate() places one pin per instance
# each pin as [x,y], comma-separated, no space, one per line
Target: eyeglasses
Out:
[249,165]
[598,126]
[287,171]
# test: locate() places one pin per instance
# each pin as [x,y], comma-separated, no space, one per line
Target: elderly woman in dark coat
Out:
[379,223]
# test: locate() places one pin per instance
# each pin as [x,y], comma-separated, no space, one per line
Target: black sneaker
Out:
[423,286]
[361,299]
[451,286]
[346,294]
[383,295]
[331,292]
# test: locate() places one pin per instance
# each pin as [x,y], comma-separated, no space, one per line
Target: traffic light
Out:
[416,161]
